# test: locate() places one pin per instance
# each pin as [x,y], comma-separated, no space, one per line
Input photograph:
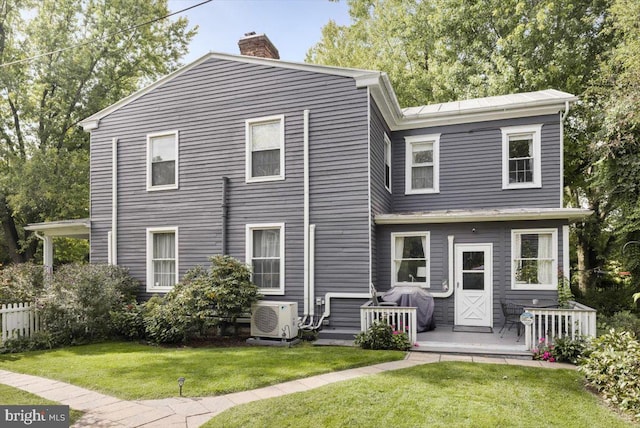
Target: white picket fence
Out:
[18,320]
[401,318]
[549,324]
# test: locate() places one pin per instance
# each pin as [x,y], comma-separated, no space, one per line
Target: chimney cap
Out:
[250,33]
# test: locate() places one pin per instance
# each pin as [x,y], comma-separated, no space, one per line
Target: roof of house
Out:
[549,101]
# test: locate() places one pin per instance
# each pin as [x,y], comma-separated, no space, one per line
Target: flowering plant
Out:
[544,351]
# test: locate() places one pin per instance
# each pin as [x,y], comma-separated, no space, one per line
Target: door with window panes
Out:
[473,285]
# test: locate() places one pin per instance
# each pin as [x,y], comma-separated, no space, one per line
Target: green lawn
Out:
[10,396]
[134,371]
[436,395]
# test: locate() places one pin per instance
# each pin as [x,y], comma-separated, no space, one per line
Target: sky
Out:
[292,25]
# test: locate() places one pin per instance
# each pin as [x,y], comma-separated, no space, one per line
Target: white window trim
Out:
[415,139]
[249,253]
[427,254]
[150,187]
[387,161]
[150,232]
[536,131]
[247,133]
[554,264]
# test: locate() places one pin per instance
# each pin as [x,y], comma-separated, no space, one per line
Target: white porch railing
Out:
[548,324]
[401,318]
[18,320]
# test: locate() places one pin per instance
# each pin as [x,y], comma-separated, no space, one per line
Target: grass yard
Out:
[135,371]
[10,396]
[447,394]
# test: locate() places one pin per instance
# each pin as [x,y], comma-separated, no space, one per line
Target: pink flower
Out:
[552,360]
[396,332]
[416,344]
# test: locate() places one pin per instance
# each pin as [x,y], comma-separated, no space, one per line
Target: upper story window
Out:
[387,162]
[265,254]
[534,259]
[265,149]
[422,164]
[521,159]
[410,258]
[162,160]
[162,258]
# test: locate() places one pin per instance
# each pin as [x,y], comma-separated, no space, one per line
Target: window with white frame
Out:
[265,149]
[162,160]
[422,164]
[162,258]
[521,158]
[534,259]
[265,255]
[410,258]
[387,162]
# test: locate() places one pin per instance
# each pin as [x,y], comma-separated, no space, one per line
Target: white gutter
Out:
[114,202]
[449,291]
[462,216]
[308,297]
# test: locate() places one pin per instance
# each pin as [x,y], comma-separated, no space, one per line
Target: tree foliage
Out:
[100,55]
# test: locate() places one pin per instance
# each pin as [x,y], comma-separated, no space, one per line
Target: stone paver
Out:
[103,411]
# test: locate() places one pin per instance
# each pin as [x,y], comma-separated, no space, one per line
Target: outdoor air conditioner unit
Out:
[274,319]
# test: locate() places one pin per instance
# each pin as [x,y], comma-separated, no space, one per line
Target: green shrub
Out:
[608,297]
[38,340]
[79,299]
[382,336]
[128,321]
[613,368]
[20,283]
[566,349]
[202,300]
[620,321]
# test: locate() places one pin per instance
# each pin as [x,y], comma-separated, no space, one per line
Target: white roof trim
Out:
[549,101]
[80,228]
[464,216]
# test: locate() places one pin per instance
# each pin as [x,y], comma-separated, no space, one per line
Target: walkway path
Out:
[106,411]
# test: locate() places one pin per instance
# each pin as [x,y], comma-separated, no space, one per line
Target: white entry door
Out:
[474,285]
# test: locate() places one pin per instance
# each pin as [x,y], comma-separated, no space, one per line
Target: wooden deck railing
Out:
[18,320]
[401,318]
[548,324]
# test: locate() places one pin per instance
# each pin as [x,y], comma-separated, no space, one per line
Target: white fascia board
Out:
[459,117]
[69,228]
[462,216]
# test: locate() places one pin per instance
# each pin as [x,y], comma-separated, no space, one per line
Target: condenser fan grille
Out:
[266,319]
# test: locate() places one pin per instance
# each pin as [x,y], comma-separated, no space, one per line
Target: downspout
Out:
[563,116]
[114,202]
[225,216]
[308,298]
[449,290]
[312,268]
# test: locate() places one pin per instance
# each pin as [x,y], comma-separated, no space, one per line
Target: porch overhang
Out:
[79,229]
[468,216]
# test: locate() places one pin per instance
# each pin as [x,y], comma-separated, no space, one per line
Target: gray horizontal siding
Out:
[208,105]
[471,168]
[496,233]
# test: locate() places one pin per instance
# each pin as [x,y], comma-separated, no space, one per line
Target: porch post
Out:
[47,254]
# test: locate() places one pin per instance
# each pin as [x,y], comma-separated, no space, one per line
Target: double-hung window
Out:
[387,162]
[265,254]
[265,149]
[162,160]
[422,164]
[162,258]
[521,162]
[410,258]
[534,254]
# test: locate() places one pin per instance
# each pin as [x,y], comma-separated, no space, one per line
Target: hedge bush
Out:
[21,283]
[383,336]
[613,368]
[79,299]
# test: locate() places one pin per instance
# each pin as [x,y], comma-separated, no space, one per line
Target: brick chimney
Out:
[259,45]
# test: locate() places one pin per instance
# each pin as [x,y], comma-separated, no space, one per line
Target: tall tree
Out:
[444,50]
[61,61]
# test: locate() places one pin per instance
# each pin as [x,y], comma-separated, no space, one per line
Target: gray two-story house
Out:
[318,179]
